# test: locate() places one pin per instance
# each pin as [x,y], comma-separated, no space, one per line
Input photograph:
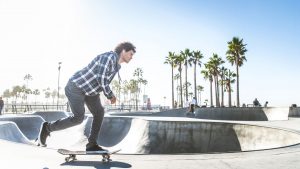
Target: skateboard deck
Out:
[72,154]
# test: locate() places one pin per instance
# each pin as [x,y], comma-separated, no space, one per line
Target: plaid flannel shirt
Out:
[97,76]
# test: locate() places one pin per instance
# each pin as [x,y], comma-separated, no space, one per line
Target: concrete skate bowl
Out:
[223,113]
[144,136]
[140,136]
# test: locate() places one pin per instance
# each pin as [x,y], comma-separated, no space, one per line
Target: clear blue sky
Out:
[35,35]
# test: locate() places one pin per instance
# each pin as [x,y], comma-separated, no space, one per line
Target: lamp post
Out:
[59,66]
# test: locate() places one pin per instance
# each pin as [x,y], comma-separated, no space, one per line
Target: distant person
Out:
[175,104]
[149,104]
[68,107]
[256,103]
[122,106]
[193,105]
[1,105]
[191,110]
[266,104]
[84,87]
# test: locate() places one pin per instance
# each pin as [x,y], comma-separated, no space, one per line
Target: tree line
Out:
[21,93]
[130,90]
[213,71]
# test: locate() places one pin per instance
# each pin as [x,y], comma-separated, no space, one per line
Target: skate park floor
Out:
[19,155]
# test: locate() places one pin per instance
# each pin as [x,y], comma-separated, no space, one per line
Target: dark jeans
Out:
[77,99]
[192,108]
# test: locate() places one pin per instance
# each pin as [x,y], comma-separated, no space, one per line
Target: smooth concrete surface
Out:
[28,124]
[51,115]
[166,135]
[27,156]
[10,131]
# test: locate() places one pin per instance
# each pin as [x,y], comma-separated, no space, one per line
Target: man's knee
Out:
[99,114]
[77,119]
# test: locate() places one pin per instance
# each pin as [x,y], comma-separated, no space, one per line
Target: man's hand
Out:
[113,100]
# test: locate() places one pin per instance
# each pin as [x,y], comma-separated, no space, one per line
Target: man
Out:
[193,105]
[256,103]
[84,88]
[1,105]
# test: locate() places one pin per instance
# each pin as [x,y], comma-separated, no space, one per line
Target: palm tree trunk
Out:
[172,87]
[237,83]
[181,98]
[195,84]
[198,96]
[177,93]
[229,93]
[222,92]
[217,91]
[211,94]
[186,86]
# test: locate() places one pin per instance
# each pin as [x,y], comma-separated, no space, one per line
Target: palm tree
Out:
[7,94]
[229,79]
[187,85]
[170,60]
[36,92]
[222,75]
[236,56]
[185,55]
[208,75]
[178,62]
[177,77]
[53,95]
[27,77]
[144,82]
[133,88]
[125,90]
[196,60]
[199,90]
[47,93]
[117,88]
[139,74]
[27,91]
[214,65]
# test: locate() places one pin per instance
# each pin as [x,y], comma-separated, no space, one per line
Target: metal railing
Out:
[22,108]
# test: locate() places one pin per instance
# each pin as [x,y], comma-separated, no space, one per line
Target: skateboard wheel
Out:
[105,158]
[67,159]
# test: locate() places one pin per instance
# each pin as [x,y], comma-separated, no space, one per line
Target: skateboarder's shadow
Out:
[98,164]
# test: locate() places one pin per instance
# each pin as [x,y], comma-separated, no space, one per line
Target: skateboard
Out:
[72,154]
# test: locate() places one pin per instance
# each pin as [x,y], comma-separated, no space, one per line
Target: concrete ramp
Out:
[142,136]
[28,124]
[113,130]
[10,131]
[207,137]
[130,135]
[51,115]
